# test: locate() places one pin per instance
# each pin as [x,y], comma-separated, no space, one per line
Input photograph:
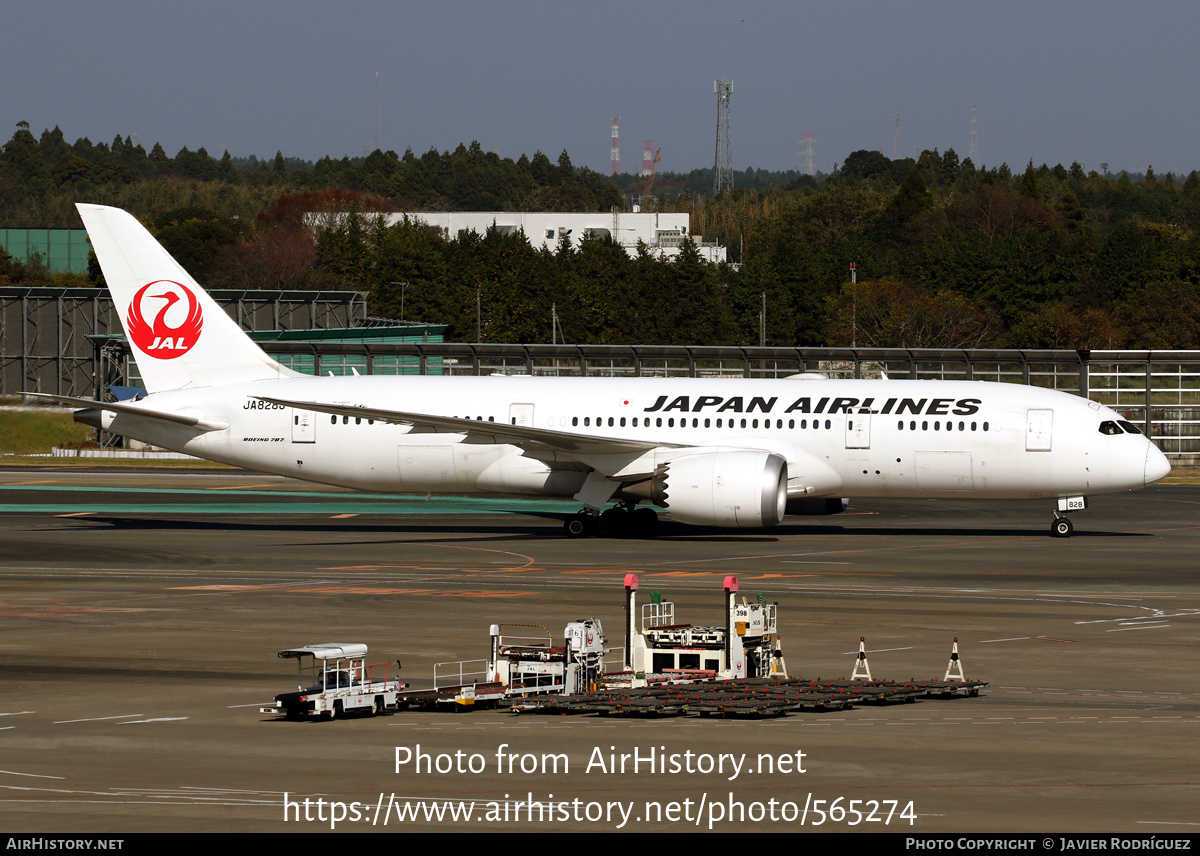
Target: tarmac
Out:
[142,613]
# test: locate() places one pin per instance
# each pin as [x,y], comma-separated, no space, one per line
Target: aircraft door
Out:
[304,426]
[520,414]
[858,430]
[1038,430]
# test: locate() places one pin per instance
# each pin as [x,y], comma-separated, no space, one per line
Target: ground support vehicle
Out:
[335,679]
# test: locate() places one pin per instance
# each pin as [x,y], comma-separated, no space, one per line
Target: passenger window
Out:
[828,424]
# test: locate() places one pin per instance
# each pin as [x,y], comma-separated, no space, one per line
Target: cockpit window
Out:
[1109,427]
[1130,428]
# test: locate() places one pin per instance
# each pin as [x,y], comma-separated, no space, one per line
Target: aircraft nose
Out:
[1157,466]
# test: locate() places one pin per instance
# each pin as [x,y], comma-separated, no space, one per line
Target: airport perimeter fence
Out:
[1157,390]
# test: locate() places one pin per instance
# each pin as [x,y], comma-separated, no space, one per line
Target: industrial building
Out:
[661,234]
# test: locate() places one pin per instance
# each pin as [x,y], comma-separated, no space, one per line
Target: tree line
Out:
[948,253]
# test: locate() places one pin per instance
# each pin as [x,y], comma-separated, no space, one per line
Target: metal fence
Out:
[48,336]
[1158,390]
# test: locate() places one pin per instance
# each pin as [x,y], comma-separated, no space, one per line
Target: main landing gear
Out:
[623,520]
[1062,527]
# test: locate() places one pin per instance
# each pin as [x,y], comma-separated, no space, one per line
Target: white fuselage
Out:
[848,438]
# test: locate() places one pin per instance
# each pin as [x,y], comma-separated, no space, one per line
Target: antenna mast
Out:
[806,149]
[973,151]
[723,166]
[614,159]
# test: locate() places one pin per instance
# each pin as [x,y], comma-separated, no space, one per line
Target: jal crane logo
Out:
[159,337]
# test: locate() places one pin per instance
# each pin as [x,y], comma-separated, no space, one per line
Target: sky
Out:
[1094,82]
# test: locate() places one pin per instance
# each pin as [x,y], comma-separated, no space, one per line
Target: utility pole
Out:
[556,331]
[762,323]
[403,286]
[853,304]
[478,313]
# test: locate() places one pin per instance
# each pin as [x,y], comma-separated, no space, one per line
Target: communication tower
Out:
[614,159]
[806,150]
[723,166]
[647,158]
[897,151]
[973,151]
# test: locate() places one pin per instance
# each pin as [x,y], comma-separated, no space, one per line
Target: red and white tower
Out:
[647,157]
[614,160]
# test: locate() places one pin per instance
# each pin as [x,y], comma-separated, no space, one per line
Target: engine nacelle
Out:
[735,488]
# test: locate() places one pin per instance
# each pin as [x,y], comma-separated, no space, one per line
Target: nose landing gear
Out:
[1062,527]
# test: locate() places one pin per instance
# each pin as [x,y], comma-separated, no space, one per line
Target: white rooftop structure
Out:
[663,234]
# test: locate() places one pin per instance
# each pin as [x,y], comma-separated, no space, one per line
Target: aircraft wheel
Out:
[578,526]
[1061,528]
[645,522]
[613,523]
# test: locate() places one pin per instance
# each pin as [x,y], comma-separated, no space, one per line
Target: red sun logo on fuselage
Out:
[155,337]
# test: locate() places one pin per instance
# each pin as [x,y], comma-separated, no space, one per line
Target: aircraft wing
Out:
[523,436]
[190,420]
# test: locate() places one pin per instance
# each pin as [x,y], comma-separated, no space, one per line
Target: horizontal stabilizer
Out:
[189,420]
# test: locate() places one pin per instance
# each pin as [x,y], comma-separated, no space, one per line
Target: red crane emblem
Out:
[156,337]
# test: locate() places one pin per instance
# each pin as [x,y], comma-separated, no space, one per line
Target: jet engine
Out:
[735,488]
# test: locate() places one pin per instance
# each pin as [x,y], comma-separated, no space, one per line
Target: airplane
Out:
[737,453]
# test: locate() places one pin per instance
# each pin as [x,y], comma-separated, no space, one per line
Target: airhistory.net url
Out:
[700,813]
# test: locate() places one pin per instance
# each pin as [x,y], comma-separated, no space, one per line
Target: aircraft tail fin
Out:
[178,334]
